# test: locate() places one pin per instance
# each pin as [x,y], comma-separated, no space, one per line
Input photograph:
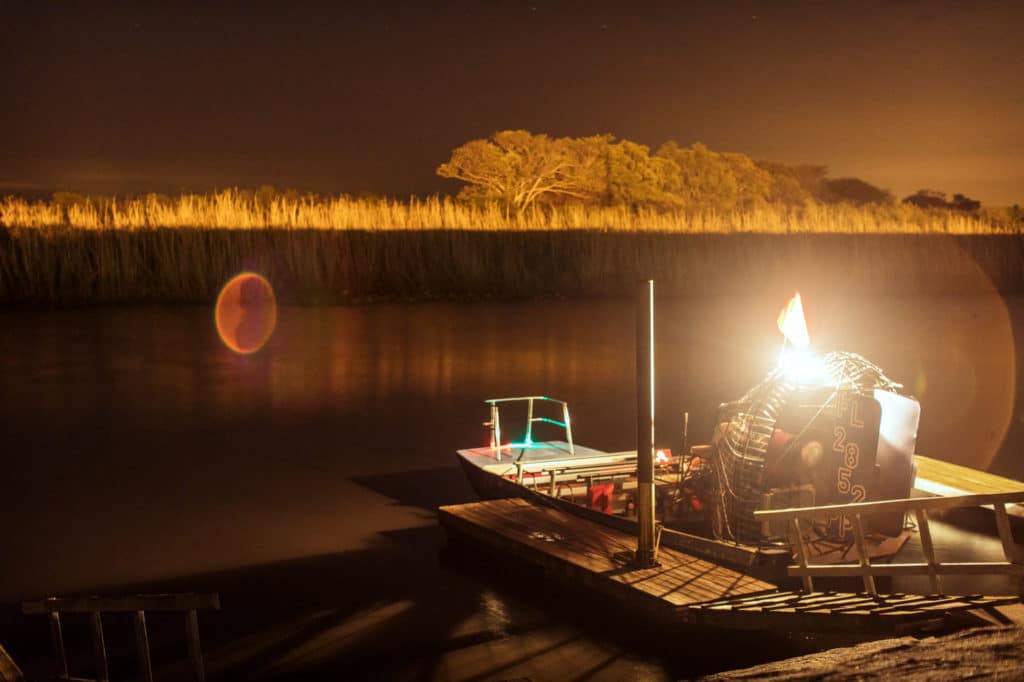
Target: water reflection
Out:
[957,355]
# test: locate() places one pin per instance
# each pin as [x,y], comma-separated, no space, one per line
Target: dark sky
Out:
[329,97]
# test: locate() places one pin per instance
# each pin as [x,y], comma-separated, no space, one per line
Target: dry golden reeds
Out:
[323,250]
[235,209]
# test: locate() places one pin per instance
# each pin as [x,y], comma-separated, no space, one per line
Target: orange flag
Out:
[792,323]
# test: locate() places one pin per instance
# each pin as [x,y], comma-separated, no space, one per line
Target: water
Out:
[141,454]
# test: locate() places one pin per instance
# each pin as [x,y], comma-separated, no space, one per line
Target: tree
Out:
[794,185]
[520,169]
[634,178]
[964,203]
[854,191]
[927,198]
[716,180]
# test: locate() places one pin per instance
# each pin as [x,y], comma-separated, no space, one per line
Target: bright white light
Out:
[803,367]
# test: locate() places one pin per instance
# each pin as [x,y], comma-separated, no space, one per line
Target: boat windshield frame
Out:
[495,422]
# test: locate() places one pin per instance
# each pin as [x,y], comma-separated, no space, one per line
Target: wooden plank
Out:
[927,604]
[859,624]
[929,550]
[1010,549]
[752,600]
[826,512]
[960,479]
[865,560]
[144,602]
[801,552]
[840,612]
[520,527]
[838,603]
[879,601]
[948,568]
[142,646]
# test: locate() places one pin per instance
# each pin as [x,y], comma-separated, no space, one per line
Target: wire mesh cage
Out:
[744,435]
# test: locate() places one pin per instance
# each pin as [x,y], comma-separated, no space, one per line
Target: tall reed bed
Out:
[238,210]
[307,266]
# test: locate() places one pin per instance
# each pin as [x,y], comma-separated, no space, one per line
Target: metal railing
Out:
[495,422]
[1013,565]
[188,604]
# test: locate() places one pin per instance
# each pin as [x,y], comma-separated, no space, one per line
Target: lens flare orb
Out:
[246,313]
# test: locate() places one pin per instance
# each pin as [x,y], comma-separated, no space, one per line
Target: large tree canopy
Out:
[717,180]
[520,170]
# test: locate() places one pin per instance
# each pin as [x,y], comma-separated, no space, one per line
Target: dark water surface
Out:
[139,453]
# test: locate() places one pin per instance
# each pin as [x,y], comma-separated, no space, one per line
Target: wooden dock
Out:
[935,477]
[683,589]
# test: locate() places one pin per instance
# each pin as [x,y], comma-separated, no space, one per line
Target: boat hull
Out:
[765,563]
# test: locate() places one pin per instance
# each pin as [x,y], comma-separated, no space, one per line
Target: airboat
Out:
[832,435]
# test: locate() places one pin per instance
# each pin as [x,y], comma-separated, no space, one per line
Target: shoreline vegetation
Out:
[74,251]
[266,208]
[537,217]
[70,266]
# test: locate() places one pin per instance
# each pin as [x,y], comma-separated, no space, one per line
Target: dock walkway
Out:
[684,589]
[935,477]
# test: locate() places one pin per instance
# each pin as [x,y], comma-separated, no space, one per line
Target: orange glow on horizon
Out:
[246,313]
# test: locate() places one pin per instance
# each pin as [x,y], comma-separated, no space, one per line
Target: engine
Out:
[834,433]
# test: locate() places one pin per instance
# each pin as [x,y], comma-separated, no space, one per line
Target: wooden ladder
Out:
[94,607]
[920,506]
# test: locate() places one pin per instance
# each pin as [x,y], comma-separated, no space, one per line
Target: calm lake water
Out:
[301,482]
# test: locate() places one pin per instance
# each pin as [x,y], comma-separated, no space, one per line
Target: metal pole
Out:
[645,423]
[684,454]
[497,433]
[529,421]
[568,428]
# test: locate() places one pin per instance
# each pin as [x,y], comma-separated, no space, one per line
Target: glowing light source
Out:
[798,362]
[803,366]
[246,313]
[792,323]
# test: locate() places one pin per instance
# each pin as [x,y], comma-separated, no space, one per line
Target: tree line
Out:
[520,169]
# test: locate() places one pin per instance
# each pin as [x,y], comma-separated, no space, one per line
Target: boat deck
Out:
[544,456]
[935,477]
[683,589]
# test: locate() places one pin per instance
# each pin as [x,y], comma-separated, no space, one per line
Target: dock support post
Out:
[99,647]
[195,651]
[58,645]
[645,423]
[142,646]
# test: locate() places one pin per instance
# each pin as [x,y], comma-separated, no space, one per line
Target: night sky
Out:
[370,98]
